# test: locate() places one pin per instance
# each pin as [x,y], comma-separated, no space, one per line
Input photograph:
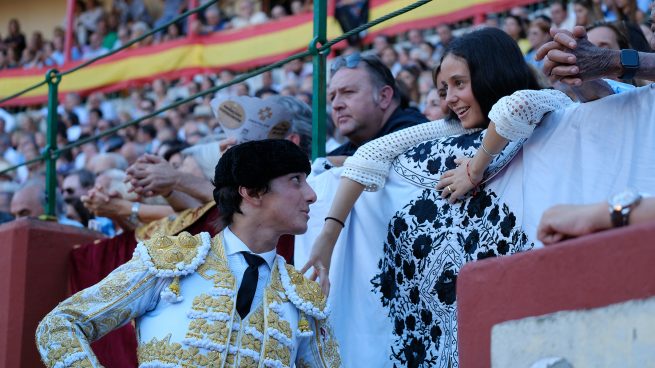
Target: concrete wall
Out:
[590,272]
[619,335]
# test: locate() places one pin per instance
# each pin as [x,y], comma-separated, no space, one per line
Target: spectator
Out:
[131,11]
[87,20]
[278,12]
[560,16]
[415,37]
[389,58]
[30,201]
[380,42]
[445,38]
[15,40]
[587,12]
[172,8]
[625,11]
[407,79]
[173,32]
[246,15]
[515,28]
[95,47]
[214,20]
[75,185]
[538,35]
[355,81]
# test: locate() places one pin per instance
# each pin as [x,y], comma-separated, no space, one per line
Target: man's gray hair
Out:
[302,119]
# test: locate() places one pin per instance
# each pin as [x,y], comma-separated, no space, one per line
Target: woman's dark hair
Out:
[521,23]
[496,65]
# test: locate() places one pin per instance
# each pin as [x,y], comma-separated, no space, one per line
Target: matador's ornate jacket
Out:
[182,294]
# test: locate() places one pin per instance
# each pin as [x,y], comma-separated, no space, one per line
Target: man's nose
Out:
[310,194]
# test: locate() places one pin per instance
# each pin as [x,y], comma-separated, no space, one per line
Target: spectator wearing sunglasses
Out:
[366,102]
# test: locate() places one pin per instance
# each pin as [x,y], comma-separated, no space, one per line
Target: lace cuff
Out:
[371,163]
[517,115]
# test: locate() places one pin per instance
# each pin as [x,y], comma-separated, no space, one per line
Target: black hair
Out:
[252,165]
[496,65]
[149,130]
[521,24]
[87,178]
[174,147]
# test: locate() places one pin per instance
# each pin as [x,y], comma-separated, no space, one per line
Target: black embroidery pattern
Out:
[428,241]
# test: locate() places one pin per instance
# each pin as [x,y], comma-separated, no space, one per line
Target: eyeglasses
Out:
[351,61]
[375,66]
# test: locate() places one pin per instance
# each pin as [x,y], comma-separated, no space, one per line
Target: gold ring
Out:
[450,190]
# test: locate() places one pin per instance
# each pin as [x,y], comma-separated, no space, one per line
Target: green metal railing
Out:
[319,48]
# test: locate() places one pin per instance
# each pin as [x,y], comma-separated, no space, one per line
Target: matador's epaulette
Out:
[305,294]
[174,256]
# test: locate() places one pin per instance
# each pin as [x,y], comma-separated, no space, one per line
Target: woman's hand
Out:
[455,183]
[321,257]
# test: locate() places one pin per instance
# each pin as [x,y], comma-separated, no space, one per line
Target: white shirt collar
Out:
[234,245]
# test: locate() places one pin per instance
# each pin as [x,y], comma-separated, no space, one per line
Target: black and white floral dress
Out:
[428,240]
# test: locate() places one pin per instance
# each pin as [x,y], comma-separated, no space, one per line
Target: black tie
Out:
[249,283]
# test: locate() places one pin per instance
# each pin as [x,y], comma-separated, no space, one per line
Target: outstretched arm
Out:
[567,221]
[572,59]
[321,255]
[512,118]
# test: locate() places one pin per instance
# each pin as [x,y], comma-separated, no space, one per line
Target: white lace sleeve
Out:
[517,115]
[371,163]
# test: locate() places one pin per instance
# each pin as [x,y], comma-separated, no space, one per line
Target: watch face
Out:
[625,198]
[630,58]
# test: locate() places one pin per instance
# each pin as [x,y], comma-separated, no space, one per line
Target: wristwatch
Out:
[629,63]
[620,206]
[134,215]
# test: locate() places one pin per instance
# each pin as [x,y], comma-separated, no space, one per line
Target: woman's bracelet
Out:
[487,151]
[468,173]
[336,220]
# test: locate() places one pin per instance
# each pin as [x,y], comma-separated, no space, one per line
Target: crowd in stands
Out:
[99,29]
[412,57]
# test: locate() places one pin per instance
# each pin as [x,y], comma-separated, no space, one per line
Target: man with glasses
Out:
[366,102]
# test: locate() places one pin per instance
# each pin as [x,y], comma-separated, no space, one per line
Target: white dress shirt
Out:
[238,265]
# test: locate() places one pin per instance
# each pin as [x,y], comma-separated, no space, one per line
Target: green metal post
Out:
[319,74]
[53,78]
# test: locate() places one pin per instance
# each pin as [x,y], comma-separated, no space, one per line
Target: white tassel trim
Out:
[71,359]
[279,336]
[158,364]
[222,292]
[300,303]
[212,316]
[309,333]
[204,344]
[168,296]
[253,331]
[268,362]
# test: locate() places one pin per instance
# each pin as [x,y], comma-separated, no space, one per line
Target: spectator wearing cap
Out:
[366,102]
